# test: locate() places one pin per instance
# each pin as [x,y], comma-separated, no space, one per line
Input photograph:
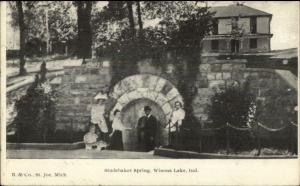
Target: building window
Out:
[253,43]
[253,25]
[215,30]
[215,45]
[235,46]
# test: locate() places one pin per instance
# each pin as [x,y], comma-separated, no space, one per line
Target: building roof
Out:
[237,10]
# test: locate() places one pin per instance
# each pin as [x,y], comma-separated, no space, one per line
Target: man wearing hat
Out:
[97,115]
[146,127]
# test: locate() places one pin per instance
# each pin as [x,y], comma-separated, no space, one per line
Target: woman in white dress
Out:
[97,116]
[116,142]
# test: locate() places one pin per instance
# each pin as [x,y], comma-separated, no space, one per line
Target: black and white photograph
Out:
[151,80]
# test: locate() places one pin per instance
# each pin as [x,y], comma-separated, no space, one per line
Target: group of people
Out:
[100,137]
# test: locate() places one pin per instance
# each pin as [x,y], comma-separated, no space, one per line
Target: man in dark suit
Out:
[147,129]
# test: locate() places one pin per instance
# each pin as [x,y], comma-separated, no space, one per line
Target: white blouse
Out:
[97,117]
[177,115]
[117,124]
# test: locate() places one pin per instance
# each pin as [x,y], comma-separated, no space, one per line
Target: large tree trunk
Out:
[88,33]
[84,45]
[131,19]
[22,69]
[140,22]
[139,13]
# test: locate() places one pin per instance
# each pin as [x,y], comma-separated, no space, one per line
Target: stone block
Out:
[78,71]
[237,75]
[216,67]
[216,84]
[218,76]
[238,67]
[254,75]
[160,84]
[200,101]
[123,100]
[226,67]
[150,95]
[205,92]
[246,75]
[202,83]
[127,86]
[211,76]
[167,87]
[198,109]
[118,90]
[201,75]
[134,95]
[151,82]
[226,75]
[205,68]
[161,99]
[87,71]
[172,93]
[167,108]
[139,80]
[80,79]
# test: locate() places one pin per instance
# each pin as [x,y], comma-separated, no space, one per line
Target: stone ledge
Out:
[46,146]
[180,154]
[227,61]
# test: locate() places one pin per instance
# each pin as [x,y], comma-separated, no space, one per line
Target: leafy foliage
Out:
[231,105]
[35,120]
[59,16]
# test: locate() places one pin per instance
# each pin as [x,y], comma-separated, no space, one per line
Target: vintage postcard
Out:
[149,93]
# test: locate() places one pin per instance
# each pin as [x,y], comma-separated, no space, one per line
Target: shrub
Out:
[231,105]
[35,120]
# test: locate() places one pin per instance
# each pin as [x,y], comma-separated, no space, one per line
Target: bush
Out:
[35,120]
[231,105]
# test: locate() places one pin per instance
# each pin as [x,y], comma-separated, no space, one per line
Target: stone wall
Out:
[76,90]
[78,87]
[217,74]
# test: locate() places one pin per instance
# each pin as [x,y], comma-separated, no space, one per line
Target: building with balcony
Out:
[238,29]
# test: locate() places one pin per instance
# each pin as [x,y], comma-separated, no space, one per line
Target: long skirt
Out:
[116,142]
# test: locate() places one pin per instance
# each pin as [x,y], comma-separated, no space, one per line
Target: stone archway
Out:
[148,86]
[145,87]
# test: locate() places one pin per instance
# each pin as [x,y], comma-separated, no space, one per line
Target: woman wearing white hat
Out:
[97,115]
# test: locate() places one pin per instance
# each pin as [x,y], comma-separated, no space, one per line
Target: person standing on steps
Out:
[116,137]
[147,126]
[175,123]
[97,117]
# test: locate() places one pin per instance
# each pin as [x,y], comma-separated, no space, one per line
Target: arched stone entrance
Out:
[135,92]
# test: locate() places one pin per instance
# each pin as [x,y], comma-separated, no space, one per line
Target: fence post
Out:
[71,130]
[176,137]
[169,135]
[227,139]
[200,136]
[258,140]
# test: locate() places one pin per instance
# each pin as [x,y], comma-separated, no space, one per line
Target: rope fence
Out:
[271,129]
[212,129]
[239,128]
[249,128]
[294,124]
